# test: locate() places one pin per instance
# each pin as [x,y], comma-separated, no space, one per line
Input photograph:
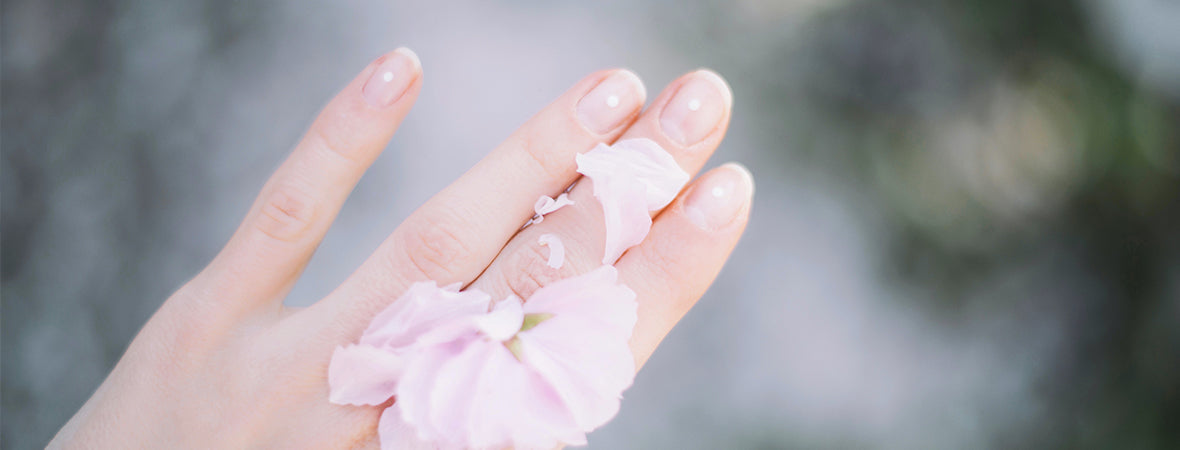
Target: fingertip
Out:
[614,102]
[719,82]
[415,63]
[747,176]
[635,80]
[719,198]
[696,110]
[394,75]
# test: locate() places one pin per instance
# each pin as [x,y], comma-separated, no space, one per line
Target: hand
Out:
[224,364]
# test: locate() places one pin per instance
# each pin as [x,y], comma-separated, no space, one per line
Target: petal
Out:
[476,394]
[417,384]
[556,249]
[513,405]
[452,389]
[630,178]
[420,309]
[594,296]
[363,375]
[504,320]
[582,351]
[588,370]
[396,434]
[626,217]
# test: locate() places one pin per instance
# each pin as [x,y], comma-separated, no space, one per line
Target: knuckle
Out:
[331,144]
[436,249]
[286,213]
[527,269]
[547,161]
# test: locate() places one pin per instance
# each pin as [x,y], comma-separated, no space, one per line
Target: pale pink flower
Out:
[469,373]
[528,376]
[631,178]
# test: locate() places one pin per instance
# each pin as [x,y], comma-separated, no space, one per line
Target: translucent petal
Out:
[363,375]
[631,178]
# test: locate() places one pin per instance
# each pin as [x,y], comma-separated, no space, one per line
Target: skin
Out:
[223,363]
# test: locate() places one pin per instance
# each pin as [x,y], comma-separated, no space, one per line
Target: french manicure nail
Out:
[716,200]
[394,74]
[697,107]
[609,104]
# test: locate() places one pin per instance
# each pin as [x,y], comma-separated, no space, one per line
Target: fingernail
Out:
[697,107]
[395,72]
[716,200]
[609,104]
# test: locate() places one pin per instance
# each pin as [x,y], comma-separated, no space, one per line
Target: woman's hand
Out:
[224,364]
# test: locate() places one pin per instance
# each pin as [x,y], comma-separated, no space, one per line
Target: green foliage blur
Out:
[999,136]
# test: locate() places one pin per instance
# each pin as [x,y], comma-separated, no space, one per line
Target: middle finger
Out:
[688,119]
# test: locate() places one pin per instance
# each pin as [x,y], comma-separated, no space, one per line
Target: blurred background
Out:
[966,231]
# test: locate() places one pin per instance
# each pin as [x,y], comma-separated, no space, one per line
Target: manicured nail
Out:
[716,200]
[612,102]
[697,107]
[395,72]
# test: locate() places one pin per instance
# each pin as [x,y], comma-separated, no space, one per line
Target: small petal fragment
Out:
[631,178]
[546,204]
[556,250]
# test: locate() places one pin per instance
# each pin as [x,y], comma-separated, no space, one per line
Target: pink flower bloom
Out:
[631,178]
[469,373]
[531,375]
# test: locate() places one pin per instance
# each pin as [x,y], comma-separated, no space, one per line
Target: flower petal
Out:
[419,381]
[475,394]
[504,320]
[420,309]
[556,249]
[363,375]
[582,351]
[515,406]
[588,373]
[631,178]
[396,434]
[595,296]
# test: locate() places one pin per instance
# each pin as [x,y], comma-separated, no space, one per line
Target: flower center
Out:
[530,321]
